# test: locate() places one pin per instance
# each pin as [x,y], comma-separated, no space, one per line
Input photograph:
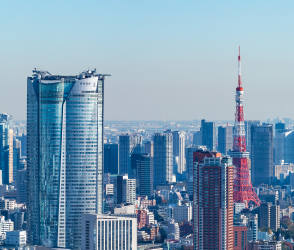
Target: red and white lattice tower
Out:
[243,189]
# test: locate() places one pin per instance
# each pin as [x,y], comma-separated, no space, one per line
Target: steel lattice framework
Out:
[243,189]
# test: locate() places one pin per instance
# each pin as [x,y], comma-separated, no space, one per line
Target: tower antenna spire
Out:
[243,189]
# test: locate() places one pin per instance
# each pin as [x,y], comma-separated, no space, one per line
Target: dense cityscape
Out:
[71,180]
[128,125]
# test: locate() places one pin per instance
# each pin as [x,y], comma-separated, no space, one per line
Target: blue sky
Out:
[172,59]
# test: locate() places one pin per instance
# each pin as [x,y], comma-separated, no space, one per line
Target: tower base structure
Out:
[243,189]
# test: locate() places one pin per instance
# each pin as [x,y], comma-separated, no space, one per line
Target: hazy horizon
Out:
[172,59]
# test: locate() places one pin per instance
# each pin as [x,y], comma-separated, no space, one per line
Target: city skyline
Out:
[169,51]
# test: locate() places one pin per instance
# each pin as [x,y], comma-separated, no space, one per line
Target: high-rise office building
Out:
[248,124]
[197,140]
[6,148]
[225,139]
[149,148]
[65,155]
[213,201]
[128,144]
[108,232]
[189,158]
[124,189]
[163,158]
[111,158]
[179,149]
[289,146]
[16,158]
[208,135]
[142,168]
[262,154]
[269,216]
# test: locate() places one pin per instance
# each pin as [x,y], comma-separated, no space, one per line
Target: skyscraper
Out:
[111,158]
[128,144]
[149,148]
[213,201]
[208,135]
[142,168]
[6,149]
[163,158]
[262,154]
[65,155]
[289,146]
[225,139]
[197,140]
[248,124]
[179,150]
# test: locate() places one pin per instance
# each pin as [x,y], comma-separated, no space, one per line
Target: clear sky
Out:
[168,58]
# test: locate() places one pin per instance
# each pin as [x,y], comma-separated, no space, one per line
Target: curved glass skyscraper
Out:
[65,155]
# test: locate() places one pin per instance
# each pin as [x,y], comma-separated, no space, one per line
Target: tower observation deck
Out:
[243,189]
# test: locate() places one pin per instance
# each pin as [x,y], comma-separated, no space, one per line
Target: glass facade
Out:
[65,153]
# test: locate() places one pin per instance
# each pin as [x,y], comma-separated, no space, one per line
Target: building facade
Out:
[65,155]
[179,138]
[213,201]
[208,135]
[163,158]
[108,232]
[111,158]
[225,139]
[128,144]
[142,169]
[262,154]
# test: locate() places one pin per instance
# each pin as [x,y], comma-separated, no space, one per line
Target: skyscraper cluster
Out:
[69,180]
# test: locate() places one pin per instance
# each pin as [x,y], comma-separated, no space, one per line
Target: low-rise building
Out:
[264,245]
[16,238]
[108,232]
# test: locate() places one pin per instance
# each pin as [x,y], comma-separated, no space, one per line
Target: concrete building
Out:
[65,155]
[238,207]
[108,232]
[213,201]
[142,171]
[6,148]
[275,217]
[208,135]
[197,139]
[225,139]
[163,158]
[6,204]
[149,148]
[173,230]
[124,189]
[179,138]
[128,144]
[182,213]
[248,125]
[141,218]
[16,238]
[5,226]
[240,237]
[289,146]
[264,245]
[264,214]
[269,216]
[111,158]
[262,154]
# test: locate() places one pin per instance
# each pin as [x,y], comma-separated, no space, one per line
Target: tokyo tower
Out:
[243,189]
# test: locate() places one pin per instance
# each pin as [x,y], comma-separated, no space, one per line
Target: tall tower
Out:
[65,155]
[243,189]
